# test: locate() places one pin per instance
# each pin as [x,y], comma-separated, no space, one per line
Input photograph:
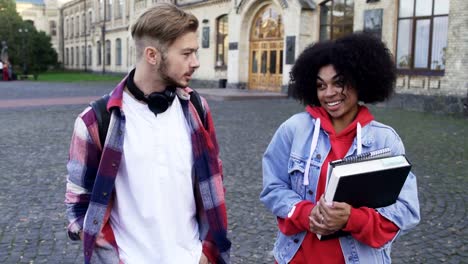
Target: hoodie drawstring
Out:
[313,145]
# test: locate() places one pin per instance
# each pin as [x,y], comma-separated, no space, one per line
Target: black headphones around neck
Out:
[158,102]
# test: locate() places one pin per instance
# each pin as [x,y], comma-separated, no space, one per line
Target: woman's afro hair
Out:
[363,60]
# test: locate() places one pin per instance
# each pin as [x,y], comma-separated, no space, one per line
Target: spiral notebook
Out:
[372,179]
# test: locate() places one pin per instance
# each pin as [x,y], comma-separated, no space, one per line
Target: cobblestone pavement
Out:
[33,152]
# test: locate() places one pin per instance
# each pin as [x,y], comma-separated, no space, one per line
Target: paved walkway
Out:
[33,152]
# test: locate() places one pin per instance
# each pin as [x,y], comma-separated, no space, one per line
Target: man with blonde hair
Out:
[149,189]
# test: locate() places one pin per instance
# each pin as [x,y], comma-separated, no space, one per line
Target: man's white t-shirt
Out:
[154,214]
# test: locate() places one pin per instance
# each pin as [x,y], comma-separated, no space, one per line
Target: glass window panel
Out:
[441,7]
[90,55]
[406,8]
[263,62]
[421,49]
[99,53]
[439,43]
[281,62]
[423,7]
[349,10]
[254,62]
[325,13]
[118,52]
[403,58]
[324,32]
[108,52]
[273,61]
[83,55]
[340,31]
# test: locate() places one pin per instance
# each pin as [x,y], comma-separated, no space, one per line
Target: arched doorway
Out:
[266,50]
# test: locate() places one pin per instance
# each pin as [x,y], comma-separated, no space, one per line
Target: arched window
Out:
[72,27]
[108,52]
[336,18]
[66,56]
[99,53]
[90,20]
[77,29]
[83,55]
[83,24]
[72,61]
[118,52]
[90,55]
[77,50]
[65,29]
[222,43]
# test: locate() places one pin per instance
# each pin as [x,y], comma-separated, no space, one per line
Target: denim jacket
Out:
[284,164]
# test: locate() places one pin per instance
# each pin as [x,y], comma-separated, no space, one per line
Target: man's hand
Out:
[204,259]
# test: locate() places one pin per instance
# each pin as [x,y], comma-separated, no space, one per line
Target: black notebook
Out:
[372,179]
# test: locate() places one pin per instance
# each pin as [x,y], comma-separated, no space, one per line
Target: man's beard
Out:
[169,81]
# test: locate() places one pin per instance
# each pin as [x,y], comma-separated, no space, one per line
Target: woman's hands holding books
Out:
[317,222]
[335,214]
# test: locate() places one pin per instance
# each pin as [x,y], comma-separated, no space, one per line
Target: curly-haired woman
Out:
[334,80]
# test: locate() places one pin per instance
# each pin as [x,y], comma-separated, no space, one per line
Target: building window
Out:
[72,53]
[118,52]
[336,18]
[99,53]
[90,19]
[101,10]
[119,9]
[422,35]
[222,44]
[90,55]
[53,28]
[72,27]
[77,56]
[65,28]
[108,52]
[109,10]
[77,29]
[83,56]
[66,56]
[83,23]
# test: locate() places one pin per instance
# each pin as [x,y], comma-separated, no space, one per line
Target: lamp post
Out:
[23,32]
[85,39]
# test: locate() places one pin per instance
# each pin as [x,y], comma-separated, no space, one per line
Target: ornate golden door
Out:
[266,51]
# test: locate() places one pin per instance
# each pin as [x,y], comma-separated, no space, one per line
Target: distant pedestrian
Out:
[1,69]
[152,190]
[331,78]
[5,71]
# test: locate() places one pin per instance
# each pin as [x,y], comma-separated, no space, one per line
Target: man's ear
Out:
[152,55]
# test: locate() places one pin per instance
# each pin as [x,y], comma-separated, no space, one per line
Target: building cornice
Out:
[201,3]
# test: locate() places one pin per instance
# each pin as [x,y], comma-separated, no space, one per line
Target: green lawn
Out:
[78,77]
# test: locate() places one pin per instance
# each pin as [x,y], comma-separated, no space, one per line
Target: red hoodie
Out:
[365,224]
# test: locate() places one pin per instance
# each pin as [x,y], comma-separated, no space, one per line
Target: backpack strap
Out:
[197,102]
[102,116]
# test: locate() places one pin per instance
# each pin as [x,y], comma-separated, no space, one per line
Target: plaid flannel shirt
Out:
[92,170]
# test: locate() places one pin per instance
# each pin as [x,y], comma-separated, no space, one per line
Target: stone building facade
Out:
[250,44]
